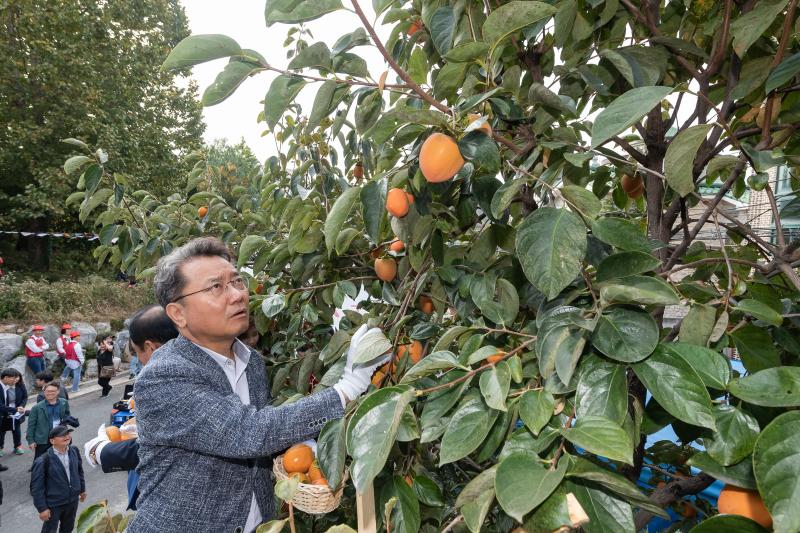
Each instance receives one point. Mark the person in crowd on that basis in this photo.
(74, 359)
(150, 327)
(35, 347)
(221, 445)
(43, 378)
(13, 399)
(61, 341)
(58, 483)
(46, 415)
(105, 364)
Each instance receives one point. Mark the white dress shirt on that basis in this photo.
(31, 344)
(234, 369)
(64, 458)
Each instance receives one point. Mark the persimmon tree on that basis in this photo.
(554, 155)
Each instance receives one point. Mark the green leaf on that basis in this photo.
(468, 427)
(368, 110)
(602, 390)
(559, 348)
(249, 246)
(551, 244)
(553, 514)
(372, 430)
(373, 208)
(728, 523)
(642, 290)
(740, 474)
(626, 335)
(735, 436)
(536, 409)
(676, 387)
(505, 195)
(315, 56)
(760, 311)
(586, 470)
(582, 200)
(747, 28)
(273, 526)
(427, 491)
(752, 77)
(405, 517)
(341, 528)
(621, 234)
(272, 305)
(512, 17)
(442, 26)
(449, 79)
(711, 366)
(332, 451)
(371, 346)
(679, 159)
(639, 65)
(756, 348)
(698, 324)
(773, 387)
(522, 484)
(625, 111)
(439, 360)
(479, 148)
(293, 11)
(197, 49)
(338, 215)
(625, 264)
(418, 66)
(323, 103)
(476, 499)
(601, 436)
(282, 92)
(497, 299)
(494, 384)
(234, 73)
(93, 515)
(92, 176)
(467, 52)
(285, 489)
(606, 512)
(776, 464)
(75, 163)
(784, 72)
(538, 93)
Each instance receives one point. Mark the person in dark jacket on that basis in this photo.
(13, 397)
(44, 416)
(150, 327)
(57, 482)
(105, 359)
(43, 378)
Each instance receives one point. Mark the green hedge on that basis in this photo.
(90, 299)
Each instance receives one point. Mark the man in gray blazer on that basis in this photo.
(206, 429)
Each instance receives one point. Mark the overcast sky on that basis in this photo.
(243, 20)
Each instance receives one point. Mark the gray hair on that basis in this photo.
(169, 282)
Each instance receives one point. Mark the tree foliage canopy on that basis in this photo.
(89, 70)
(574, 222)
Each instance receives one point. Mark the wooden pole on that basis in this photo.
(365, 507)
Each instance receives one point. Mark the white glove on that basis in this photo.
(355, 381)
(100, 440)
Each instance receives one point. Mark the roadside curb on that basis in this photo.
(83, 391)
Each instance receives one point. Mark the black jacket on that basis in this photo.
(122, 455)
(21, 398)
(49, 484)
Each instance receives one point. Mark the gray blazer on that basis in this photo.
(202, 453)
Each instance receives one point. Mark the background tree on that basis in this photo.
(64, 62)
(554, 154)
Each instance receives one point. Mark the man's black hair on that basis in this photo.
(45, 375)
(9, 372)
(151, 323)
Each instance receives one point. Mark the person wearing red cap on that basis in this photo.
(34, 349)
(61, 341)
(74, 359)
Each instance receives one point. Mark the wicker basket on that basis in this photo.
(312, 499)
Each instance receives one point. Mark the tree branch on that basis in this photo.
(389, 59)
(788, 24)
(672, 491)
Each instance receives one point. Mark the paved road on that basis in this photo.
(17, 513)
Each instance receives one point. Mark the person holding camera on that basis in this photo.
(105, 364)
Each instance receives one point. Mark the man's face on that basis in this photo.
(144, 353)
(50, 393)
(40, 383)
(9, 380)
(205, 316)
(61, 442)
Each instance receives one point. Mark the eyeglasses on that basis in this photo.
(218, 288)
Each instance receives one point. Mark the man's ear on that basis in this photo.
(175, 312)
